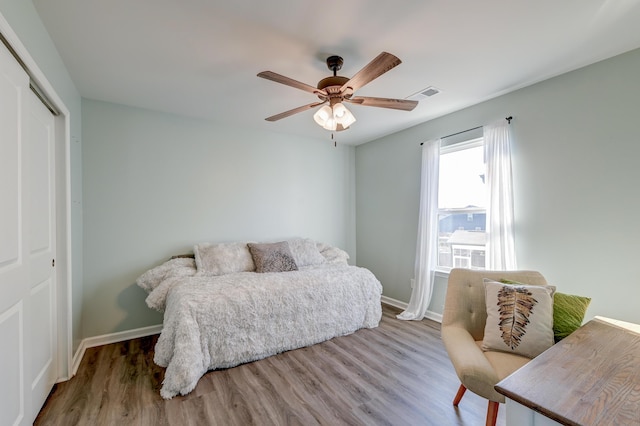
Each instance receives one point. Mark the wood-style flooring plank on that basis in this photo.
(395, 374)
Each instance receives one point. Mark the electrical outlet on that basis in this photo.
(413, 282)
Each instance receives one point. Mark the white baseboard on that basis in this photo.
(107, 339)
(434, 316)
(393, 302)
(402, 305)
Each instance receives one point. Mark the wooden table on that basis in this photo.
(591, 378)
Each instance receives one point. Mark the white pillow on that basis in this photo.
(223, 258)
(305, 252)
(179, 267)
(332, 254)
(519, 318)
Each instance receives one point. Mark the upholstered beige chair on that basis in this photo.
(463, 324)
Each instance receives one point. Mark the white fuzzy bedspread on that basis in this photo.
(219, 322)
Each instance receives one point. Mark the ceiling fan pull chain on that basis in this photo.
(335, 142)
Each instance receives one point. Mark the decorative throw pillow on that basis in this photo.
(272, 257)
(223, 258)
(332, 254)
(519, 318)
(305, 252)
(178, 267)
(568, 313)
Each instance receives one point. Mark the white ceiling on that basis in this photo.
(200, 58)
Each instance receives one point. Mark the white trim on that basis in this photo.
(393, 302)
(461, 145)
(434, 316)
(443, 273)
(68, 237)
(107, 339)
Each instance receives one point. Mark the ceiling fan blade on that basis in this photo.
(401, 104)
(293, 111)
(278, 78)
(374, 69)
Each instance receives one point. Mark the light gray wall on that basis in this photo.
(576, 177)
(156, 184)
(25, 22)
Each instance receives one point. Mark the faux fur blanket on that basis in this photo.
(222, 321)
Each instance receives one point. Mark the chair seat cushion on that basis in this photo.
(504, 363)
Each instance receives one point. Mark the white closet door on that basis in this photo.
(27, 248)
(42, 332)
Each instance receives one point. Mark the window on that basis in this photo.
(462, 206)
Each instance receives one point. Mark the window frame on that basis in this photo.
(447, 148)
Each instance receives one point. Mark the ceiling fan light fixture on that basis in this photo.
(331, 124)
(339, 110)
(329, 117)
(342, 115)
(322, 115)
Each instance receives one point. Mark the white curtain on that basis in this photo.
(500, 251)
(427, 246)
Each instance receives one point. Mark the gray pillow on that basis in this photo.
(272, 257)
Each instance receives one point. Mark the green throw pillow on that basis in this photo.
(568, 312)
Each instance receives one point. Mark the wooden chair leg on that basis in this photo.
(459, 395)
(492, 413)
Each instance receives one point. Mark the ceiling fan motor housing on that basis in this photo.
(332, 84)
(334, 63)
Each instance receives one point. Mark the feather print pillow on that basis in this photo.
(519, 318)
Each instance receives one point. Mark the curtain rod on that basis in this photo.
(469, 130)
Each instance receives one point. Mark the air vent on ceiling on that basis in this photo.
(425, 93)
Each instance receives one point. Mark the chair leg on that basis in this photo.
(492, 413)
(459, 395)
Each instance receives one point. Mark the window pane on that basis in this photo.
(461, 240)
(461, 182)
(461, 203)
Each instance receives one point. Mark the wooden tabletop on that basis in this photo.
(591, 378)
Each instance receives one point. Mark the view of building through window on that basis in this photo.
(462, 206)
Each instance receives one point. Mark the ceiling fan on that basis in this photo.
(336, 89)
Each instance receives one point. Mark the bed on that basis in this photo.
(239, 302)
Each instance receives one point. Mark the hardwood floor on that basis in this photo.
(396, 374)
